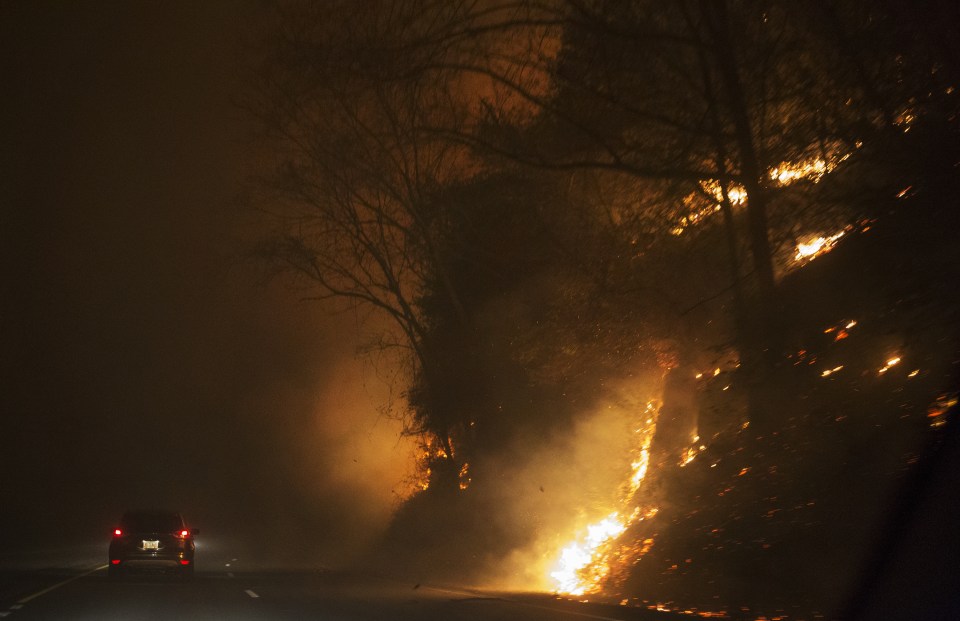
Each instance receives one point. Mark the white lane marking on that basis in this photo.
(16, 607)
(59, 584)
(229, 574)
(4, 614)
(251, 594)
(585, 615)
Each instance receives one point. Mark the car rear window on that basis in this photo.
(151, 521)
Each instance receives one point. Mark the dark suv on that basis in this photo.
(152, 540)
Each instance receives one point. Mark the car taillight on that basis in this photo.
(183, 534)
(117, 532)
(115, 561)
(184, 561)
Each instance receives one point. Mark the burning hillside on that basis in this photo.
(665, 497)
(778, 526)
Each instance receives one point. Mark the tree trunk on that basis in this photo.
(759, 335)
(751, 171)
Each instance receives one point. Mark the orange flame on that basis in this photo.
(584, 563)
(817, 246)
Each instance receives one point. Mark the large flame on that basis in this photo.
(579, 567)
(584, 563)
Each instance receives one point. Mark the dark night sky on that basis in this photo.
(143, 359)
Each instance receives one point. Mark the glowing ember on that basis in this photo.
(892, 362)
(905, 119)
(465, 476)
(939, 407)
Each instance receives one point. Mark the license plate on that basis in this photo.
(151, 545)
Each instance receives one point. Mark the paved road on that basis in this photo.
(87, 594)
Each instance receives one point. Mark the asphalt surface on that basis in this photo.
(229, 591)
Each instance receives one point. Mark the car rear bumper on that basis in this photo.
(152, 563)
